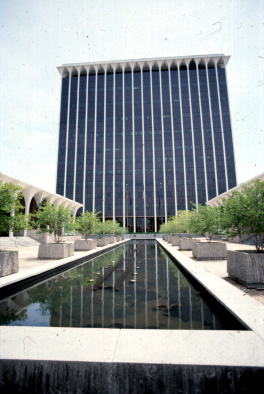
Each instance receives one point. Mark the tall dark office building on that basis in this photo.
(141, 139)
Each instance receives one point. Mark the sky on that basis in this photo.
(37, 36)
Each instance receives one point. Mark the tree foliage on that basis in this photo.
(207, 220)
(110, 227)
(54, 220)
(10, 205)
(87, 223)
(243, 213)
(184, 222)
(42, 203)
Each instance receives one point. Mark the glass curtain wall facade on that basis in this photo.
(140, 140)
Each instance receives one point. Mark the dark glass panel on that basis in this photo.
(180, 187)
(229, 149)
(128, 145)
(81, 139)
(99, 144)
(198, 142)
(168, 141)
(158, 143)
(109, 146)
(90, 144)
(148, 194)
(62, 135)
(207, 134)
(219, 154)
(71, 137)
(138, 147)
(189, 164)
(119, 145)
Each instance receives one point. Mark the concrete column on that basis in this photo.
(183, 143)
(221, 122)
(143, 146)
(76, 133)
(153, 150)
(212, 126)
(163, 147)
(172, 141)
(85, 138)
(70, 69)
(58, 135)
(95, 127)
(202, 128)
(193, 142)
(225, 60)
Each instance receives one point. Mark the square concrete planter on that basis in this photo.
(102, 241)
(185, 244)
(8, 262)
(55, 251)
(85, 244)
(246, 267)
(209, 250)
(175, 240)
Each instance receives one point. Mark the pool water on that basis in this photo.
(135, 285)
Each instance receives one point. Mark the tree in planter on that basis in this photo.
(243, 213)
(185, 223)
(207, 220)
(56, 220)
(117, 229)
(109, 227)
(87, 222)
(10, 205)
(182, 223)
(168, 227)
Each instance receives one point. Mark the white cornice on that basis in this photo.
(135, 62)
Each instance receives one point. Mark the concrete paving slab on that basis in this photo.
(132, 346)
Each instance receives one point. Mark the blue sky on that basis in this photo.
(37, 36)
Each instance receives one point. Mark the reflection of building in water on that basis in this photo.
(134, 286)
(141, 139)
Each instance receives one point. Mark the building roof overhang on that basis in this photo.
(218, 200)
(30, 191)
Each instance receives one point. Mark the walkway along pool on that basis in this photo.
(136, 285)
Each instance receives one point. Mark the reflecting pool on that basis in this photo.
(135, 285)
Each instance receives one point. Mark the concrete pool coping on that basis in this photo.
(175, 347)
